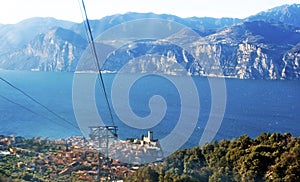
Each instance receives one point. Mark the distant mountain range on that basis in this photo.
(262, 46)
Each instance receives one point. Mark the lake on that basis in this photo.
(252, 106)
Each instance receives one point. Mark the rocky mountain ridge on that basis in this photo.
(56, 50)
(263, 46)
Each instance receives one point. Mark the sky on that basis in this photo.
(13, 11)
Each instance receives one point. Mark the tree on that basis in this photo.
(270, 157)
(144, 174)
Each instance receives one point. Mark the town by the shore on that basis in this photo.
(74, 158)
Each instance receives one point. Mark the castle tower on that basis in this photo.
(150, 136)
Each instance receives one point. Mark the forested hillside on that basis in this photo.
(269, 157)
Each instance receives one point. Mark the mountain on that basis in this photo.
(56, 50)
(288, 14)
(203, 26)
(262, 46)
(256, 50)
(291, 63)
(14, 36)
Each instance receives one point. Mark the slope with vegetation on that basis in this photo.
(269, 157)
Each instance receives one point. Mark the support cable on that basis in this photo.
(29, 110)
(37, 102)
(96, 60)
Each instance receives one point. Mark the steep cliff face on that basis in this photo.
(256, 50)
(56, 50)
(246, 61)
(264, 46)
(150, 56)
(291, 61)
(15, 36)
(252, 62)
(245, 51)
(243, 61)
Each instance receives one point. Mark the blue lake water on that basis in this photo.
(252, 106)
